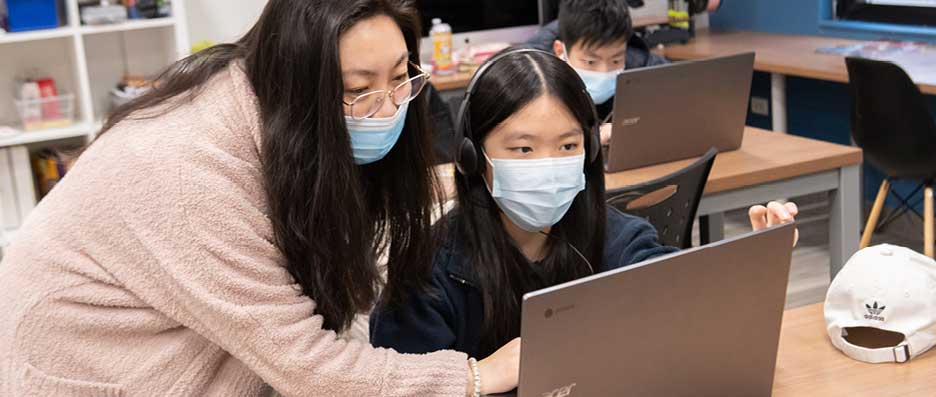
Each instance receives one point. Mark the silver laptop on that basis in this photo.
(700, 322)
(679, 111)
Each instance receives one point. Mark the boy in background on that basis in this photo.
(596, 37)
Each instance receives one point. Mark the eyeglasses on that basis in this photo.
(366, 105)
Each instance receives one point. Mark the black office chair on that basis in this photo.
(891, 123)
(669, 203)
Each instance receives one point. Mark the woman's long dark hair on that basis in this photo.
(331, 218)
(503, 272)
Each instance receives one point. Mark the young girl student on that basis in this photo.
(530, 211)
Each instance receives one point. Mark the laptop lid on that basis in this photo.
(679, 111)
(700, 322)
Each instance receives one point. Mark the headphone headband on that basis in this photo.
(466, 154)
(487, 65)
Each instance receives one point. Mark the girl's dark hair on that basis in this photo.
(330, 217)
(503, 272)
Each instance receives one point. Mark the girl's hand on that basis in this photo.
(773, 214)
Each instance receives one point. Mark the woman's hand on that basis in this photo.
(774, 213)
(500, 372)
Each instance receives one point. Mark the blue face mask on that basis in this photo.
(536, 194)
(373, 138)
(600, 85)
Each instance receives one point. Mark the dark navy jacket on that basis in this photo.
(451, 317)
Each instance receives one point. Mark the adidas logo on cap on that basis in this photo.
(859, 322)
(874, 313)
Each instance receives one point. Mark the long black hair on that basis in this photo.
(330, 217)
(503, 272)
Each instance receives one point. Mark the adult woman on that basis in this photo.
(221, 225)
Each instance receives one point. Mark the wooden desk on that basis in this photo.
(808, 365)
(777, 54)
(456, 81)
(771, 165)
(763, 157)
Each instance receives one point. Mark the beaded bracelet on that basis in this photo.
(476, 375)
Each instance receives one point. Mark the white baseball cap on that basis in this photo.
(884, 288)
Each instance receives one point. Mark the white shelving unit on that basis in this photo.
(86, 61)
(77, 130)
(78, 35)
(64, 31)
(129, 26)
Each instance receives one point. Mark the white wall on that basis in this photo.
(221, 21)
(651, 8)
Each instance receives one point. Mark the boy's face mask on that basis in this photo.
(600, 85)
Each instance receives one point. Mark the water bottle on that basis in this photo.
(441, 34)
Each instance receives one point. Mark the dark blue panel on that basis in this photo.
(786, 16)
(808, 17)
(760, 87)
(818, 109)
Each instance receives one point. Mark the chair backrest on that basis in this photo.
(668, 203)
(890, 120)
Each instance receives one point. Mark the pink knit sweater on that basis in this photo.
(151, 270)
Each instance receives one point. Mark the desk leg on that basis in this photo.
(711, 228)
(844, 219)
(778, 102)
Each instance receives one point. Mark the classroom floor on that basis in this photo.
(809, 274)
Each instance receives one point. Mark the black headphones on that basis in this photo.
(467, 154)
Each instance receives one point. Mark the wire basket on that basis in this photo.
(46, 113)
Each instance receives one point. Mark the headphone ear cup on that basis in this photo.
(594, 144)
(466, 158)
